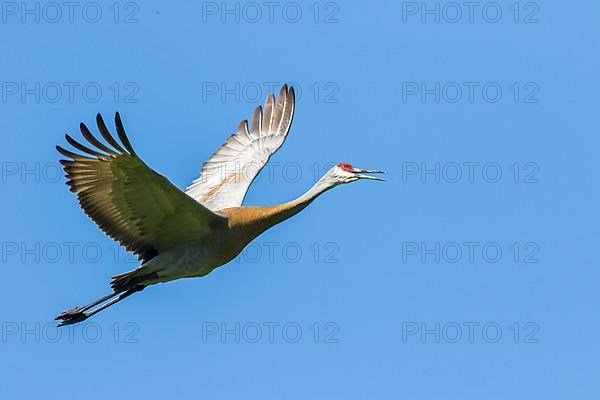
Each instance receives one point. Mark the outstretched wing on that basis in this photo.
(226, 176)
(130, 202)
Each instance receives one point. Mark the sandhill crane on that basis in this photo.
(180, 234)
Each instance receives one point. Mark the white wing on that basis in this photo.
(226, 176)
(130, 202)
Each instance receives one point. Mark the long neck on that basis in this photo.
(288, 209)
(257, 219)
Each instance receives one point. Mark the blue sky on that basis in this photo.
(469, 274)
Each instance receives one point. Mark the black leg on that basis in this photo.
(79, 314)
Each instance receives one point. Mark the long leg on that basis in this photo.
(79, 314)
(79, 310)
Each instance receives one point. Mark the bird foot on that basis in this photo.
(71, 316)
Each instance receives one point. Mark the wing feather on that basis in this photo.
(122, 135)
(227, 174)
(93, 141)
(83, 148)
(267, 121)
(129, 201)
(106, 134)
(256, 122)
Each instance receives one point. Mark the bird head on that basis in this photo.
(346, 173)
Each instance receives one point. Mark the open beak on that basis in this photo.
(359, 174)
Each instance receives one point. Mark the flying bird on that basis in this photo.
(181, 234)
